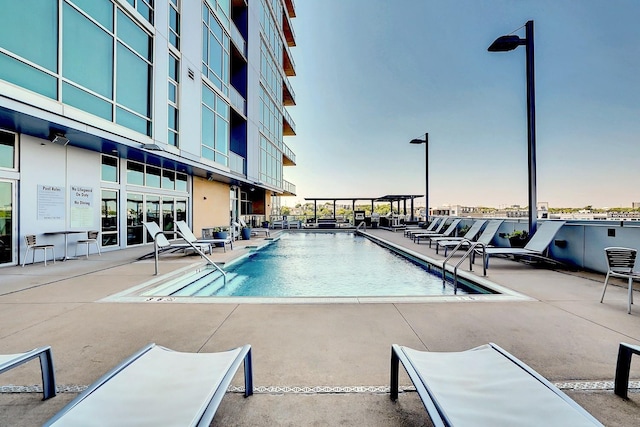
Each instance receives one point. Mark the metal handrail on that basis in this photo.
(363, 224)
(470, 250)
(209, 261)
(202, 254)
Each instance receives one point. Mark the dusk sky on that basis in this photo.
(374, 74)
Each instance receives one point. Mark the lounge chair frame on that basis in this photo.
(207, 415)
(437, 413)
(11, 361)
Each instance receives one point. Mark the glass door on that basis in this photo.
(7, 239)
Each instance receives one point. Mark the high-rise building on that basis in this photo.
(115, 112)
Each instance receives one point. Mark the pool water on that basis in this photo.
(324, 265)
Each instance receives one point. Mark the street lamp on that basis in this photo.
(424, 141)
(504, 44)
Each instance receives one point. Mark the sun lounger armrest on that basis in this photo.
(623, 365)
(243, 356)
(397, 355)
(46, 367)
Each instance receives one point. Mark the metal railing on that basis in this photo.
(195, 248)
(469, 254)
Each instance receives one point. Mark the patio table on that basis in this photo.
(66, 240)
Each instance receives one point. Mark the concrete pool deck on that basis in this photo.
(314, 364)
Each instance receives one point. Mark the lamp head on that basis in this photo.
(506, 43)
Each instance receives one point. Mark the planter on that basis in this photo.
(220, 235)
(246, 233)
(518, 242)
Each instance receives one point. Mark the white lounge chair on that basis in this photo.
(448, 232)
(10, 361)
(188, 235)
(485, 386)
(163, 243)
(159, 387)
(620, 263)
(535, 248)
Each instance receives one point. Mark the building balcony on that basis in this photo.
(237, 101)
(288, 95)
(238, 40)
(291, 8)
(288, 125)
(288, 65)
(288, 156)
(287, 28)
(237, 164)
(289, 188)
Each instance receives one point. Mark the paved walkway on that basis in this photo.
(315, 364)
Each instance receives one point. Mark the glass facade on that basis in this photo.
(105, 59)
(109, 218)
(215, 127)
(7, 150)
(173, 107)
(215, 51)
(109, 172)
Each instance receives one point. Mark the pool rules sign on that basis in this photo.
(81, 201)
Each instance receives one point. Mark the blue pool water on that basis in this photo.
(324, 265)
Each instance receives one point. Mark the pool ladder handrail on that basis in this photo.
(470, 251)
(195, 248)
(363, 224)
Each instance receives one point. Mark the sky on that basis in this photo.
(371, 75)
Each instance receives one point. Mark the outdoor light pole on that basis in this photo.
(504, 44)
(424, 141)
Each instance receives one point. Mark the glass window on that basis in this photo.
(207, 127)
(25, 76)
(130, 120)
(135, 217)
(30, 29)
(132, 82)
(153, 177)
(153, 213)
(87, 60)
(167, 217)
(6, 221)
(174, 26)
(181, 210)
(7, 151)
(109, 218)
(135, 173)
(134, 36)
(101, 11)
(174, 68)
(181, 182)
(86, 102)
(109, 168)
(168, 179)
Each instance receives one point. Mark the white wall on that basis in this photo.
(44, 163)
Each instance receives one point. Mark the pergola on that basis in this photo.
(391, 198)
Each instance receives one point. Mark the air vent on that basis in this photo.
(191, 73)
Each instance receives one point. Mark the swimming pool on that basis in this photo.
(319, 265)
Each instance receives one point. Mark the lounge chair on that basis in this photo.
(188, 235)
(485, 237)
(410, 231)
(10, 361)
(620, 263)
(255, 231)
(535, 248)
(159, 387)
(484, 386)
(448, 232)
(471, 233)
(163, 243)
(438, 229)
